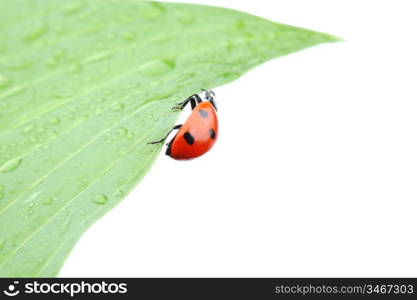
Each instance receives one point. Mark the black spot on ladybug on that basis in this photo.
(203, 113)
(212, 134)
(189, 138)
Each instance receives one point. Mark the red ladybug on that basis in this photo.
(199, 132)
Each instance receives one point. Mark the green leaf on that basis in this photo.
(84, 85)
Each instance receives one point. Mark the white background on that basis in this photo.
(314, 172)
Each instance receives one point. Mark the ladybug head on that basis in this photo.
(209, 95)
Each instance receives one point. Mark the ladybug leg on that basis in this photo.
(165, 137)
(193, 100)
(181, 105)
(196, 99)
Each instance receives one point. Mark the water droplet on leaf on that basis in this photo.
(40, 129)
(240, 25)
(27, 128)
(157, 67)
(100, 56)
(75, 67)
(54, 121)
(48, 201)
(33, 140)
(128, 36)
(122, 151)
(73, 7)
(186, 19)
(117, 106)
(151, 11)
(11, 165)
(4, 82)
(123, 131)
(36, 31)
(120, 192)
(18, 64)
(100, 199)
(52, 62)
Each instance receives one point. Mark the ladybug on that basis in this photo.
(199, 132)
